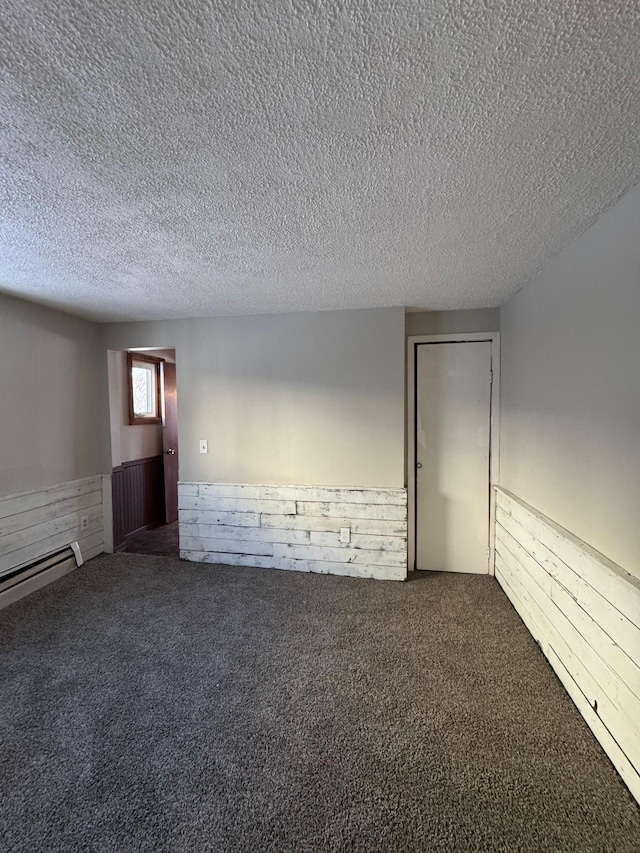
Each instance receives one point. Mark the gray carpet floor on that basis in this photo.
(151, 704)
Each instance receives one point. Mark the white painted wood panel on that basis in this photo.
(583, 611)
(26, 520)
(537, 629)
(233, 546)
(340, 555)
(230, 519)
(375, 543)
(89, 542)
(607, 711)
(296, 528)
(618, 586)
(379, 527)
(236, 505)
(333, 494)
(50, 543)
(618, 708)
(315, 566)
(586, 619)
(91, 551)
(35, 523)
(25, 501)
(351, 510)
(225, 559)
(261, 534)
(587, 597)
(616, 755)
(354, 570)
(23, 538)
(189, 489)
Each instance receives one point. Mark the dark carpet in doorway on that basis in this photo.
(163, 541)
(151, 704)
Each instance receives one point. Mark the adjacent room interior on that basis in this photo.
(319, 421)
(143, 417)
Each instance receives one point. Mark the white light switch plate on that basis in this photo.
(204, 445)
(345, 534)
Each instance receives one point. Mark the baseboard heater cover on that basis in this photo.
(38, 572)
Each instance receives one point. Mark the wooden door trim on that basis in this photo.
(413, 341)
(170, 504)
(157, 363)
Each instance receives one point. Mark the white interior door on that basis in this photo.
(453, 434)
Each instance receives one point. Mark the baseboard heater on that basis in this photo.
(20, 580)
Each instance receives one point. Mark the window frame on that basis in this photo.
(138, 420)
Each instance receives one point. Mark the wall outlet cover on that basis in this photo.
(84, 522)
(345, 534)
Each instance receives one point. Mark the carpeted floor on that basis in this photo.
(148, 704)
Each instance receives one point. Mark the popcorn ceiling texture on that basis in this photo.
(182, 158)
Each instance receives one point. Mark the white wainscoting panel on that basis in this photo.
(295, 528)
(32, 524)
(584, 612)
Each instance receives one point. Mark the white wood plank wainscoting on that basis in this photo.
(34, 524)
(584, 611)
(338, 531)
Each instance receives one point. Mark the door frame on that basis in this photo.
(117, 344)
(413, 342)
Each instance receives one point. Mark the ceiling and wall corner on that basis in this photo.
(451, 322)
(184, 159)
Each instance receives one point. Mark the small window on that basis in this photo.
(143, 372)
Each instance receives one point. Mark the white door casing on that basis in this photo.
(453, 384)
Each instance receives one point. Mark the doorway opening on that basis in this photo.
(452, 451)
(144, 450)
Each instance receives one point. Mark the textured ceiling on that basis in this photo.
(181, 158)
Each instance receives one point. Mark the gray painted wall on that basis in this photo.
(570, 437)
(452, 322)
(53, 393)
(310, 399)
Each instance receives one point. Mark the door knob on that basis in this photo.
(418, 464)
(170, 452)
